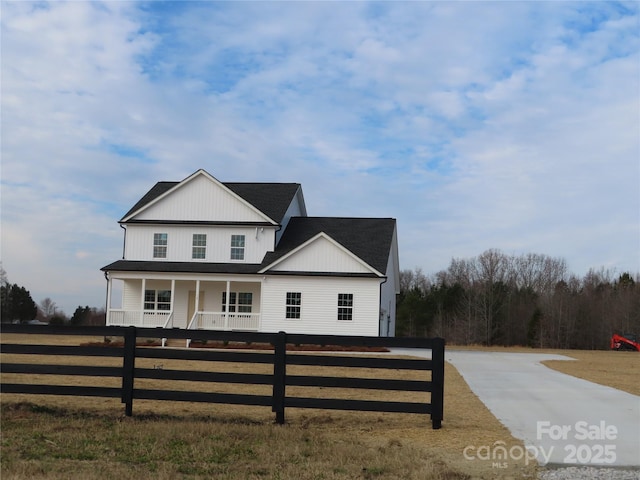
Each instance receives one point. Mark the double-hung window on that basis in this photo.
(245, 301)
(233, 299)
(199, 246)
(157, 300)
(294, 301)
(159, 245)
(238, 302)
(237, 247)
(345, 306)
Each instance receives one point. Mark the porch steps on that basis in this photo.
(176, 342)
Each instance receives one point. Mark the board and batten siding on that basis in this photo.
(139, 244)
(201, 199)
(321, 255)
(319, 308)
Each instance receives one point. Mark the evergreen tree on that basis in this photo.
(80, 316)
(17, 304)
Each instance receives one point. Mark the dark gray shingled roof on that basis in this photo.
(367, 238)
(272, 199)
(180, 267)
(157, 190)
(370, 239)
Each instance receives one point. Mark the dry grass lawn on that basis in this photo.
(48, 437)
(619, 370)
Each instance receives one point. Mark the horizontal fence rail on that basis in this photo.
(134, 347)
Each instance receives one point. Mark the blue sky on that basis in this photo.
(508, 125)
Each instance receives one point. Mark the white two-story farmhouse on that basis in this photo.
(203, 254)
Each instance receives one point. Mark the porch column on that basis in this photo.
(226, 308)
(197, 305)
(108, 300)
(144, 287)
(173, 296)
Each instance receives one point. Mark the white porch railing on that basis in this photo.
(222, 321)
(137, 318)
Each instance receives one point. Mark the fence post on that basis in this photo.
(128, 367)
(437, 381)
(279, 376)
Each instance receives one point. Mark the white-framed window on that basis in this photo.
(294, 302)
(345, 306)
(199, 246)
(238, 302)
(159, 245)
(157, 300)
(237, 247)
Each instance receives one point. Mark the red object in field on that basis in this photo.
(624, 342)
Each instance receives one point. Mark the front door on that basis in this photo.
(191, 307)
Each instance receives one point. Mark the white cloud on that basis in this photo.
(478, 125)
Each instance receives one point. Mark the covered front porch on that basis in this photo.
(210, 304)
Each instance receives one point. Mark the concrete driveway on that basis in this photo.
(562, 420)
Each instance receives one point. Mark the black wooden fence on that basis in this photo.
(277, 355)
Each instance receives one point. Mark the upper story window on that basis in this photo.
(159, 245)
(237, 247)
(199, 246)
(294, 300)
(345, 306)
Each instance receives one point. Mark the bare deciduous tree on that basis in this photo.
(48, 307)
(519, 300)
(4, 280)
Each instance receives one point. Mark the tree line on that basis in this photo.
(531, 299)
(16, 305)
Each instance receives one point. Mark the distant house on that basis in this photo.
(203, 254)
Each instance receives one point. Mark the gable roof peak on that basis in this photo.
(270, 200)
(370, 239)
(320, 236)
(198, 173)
